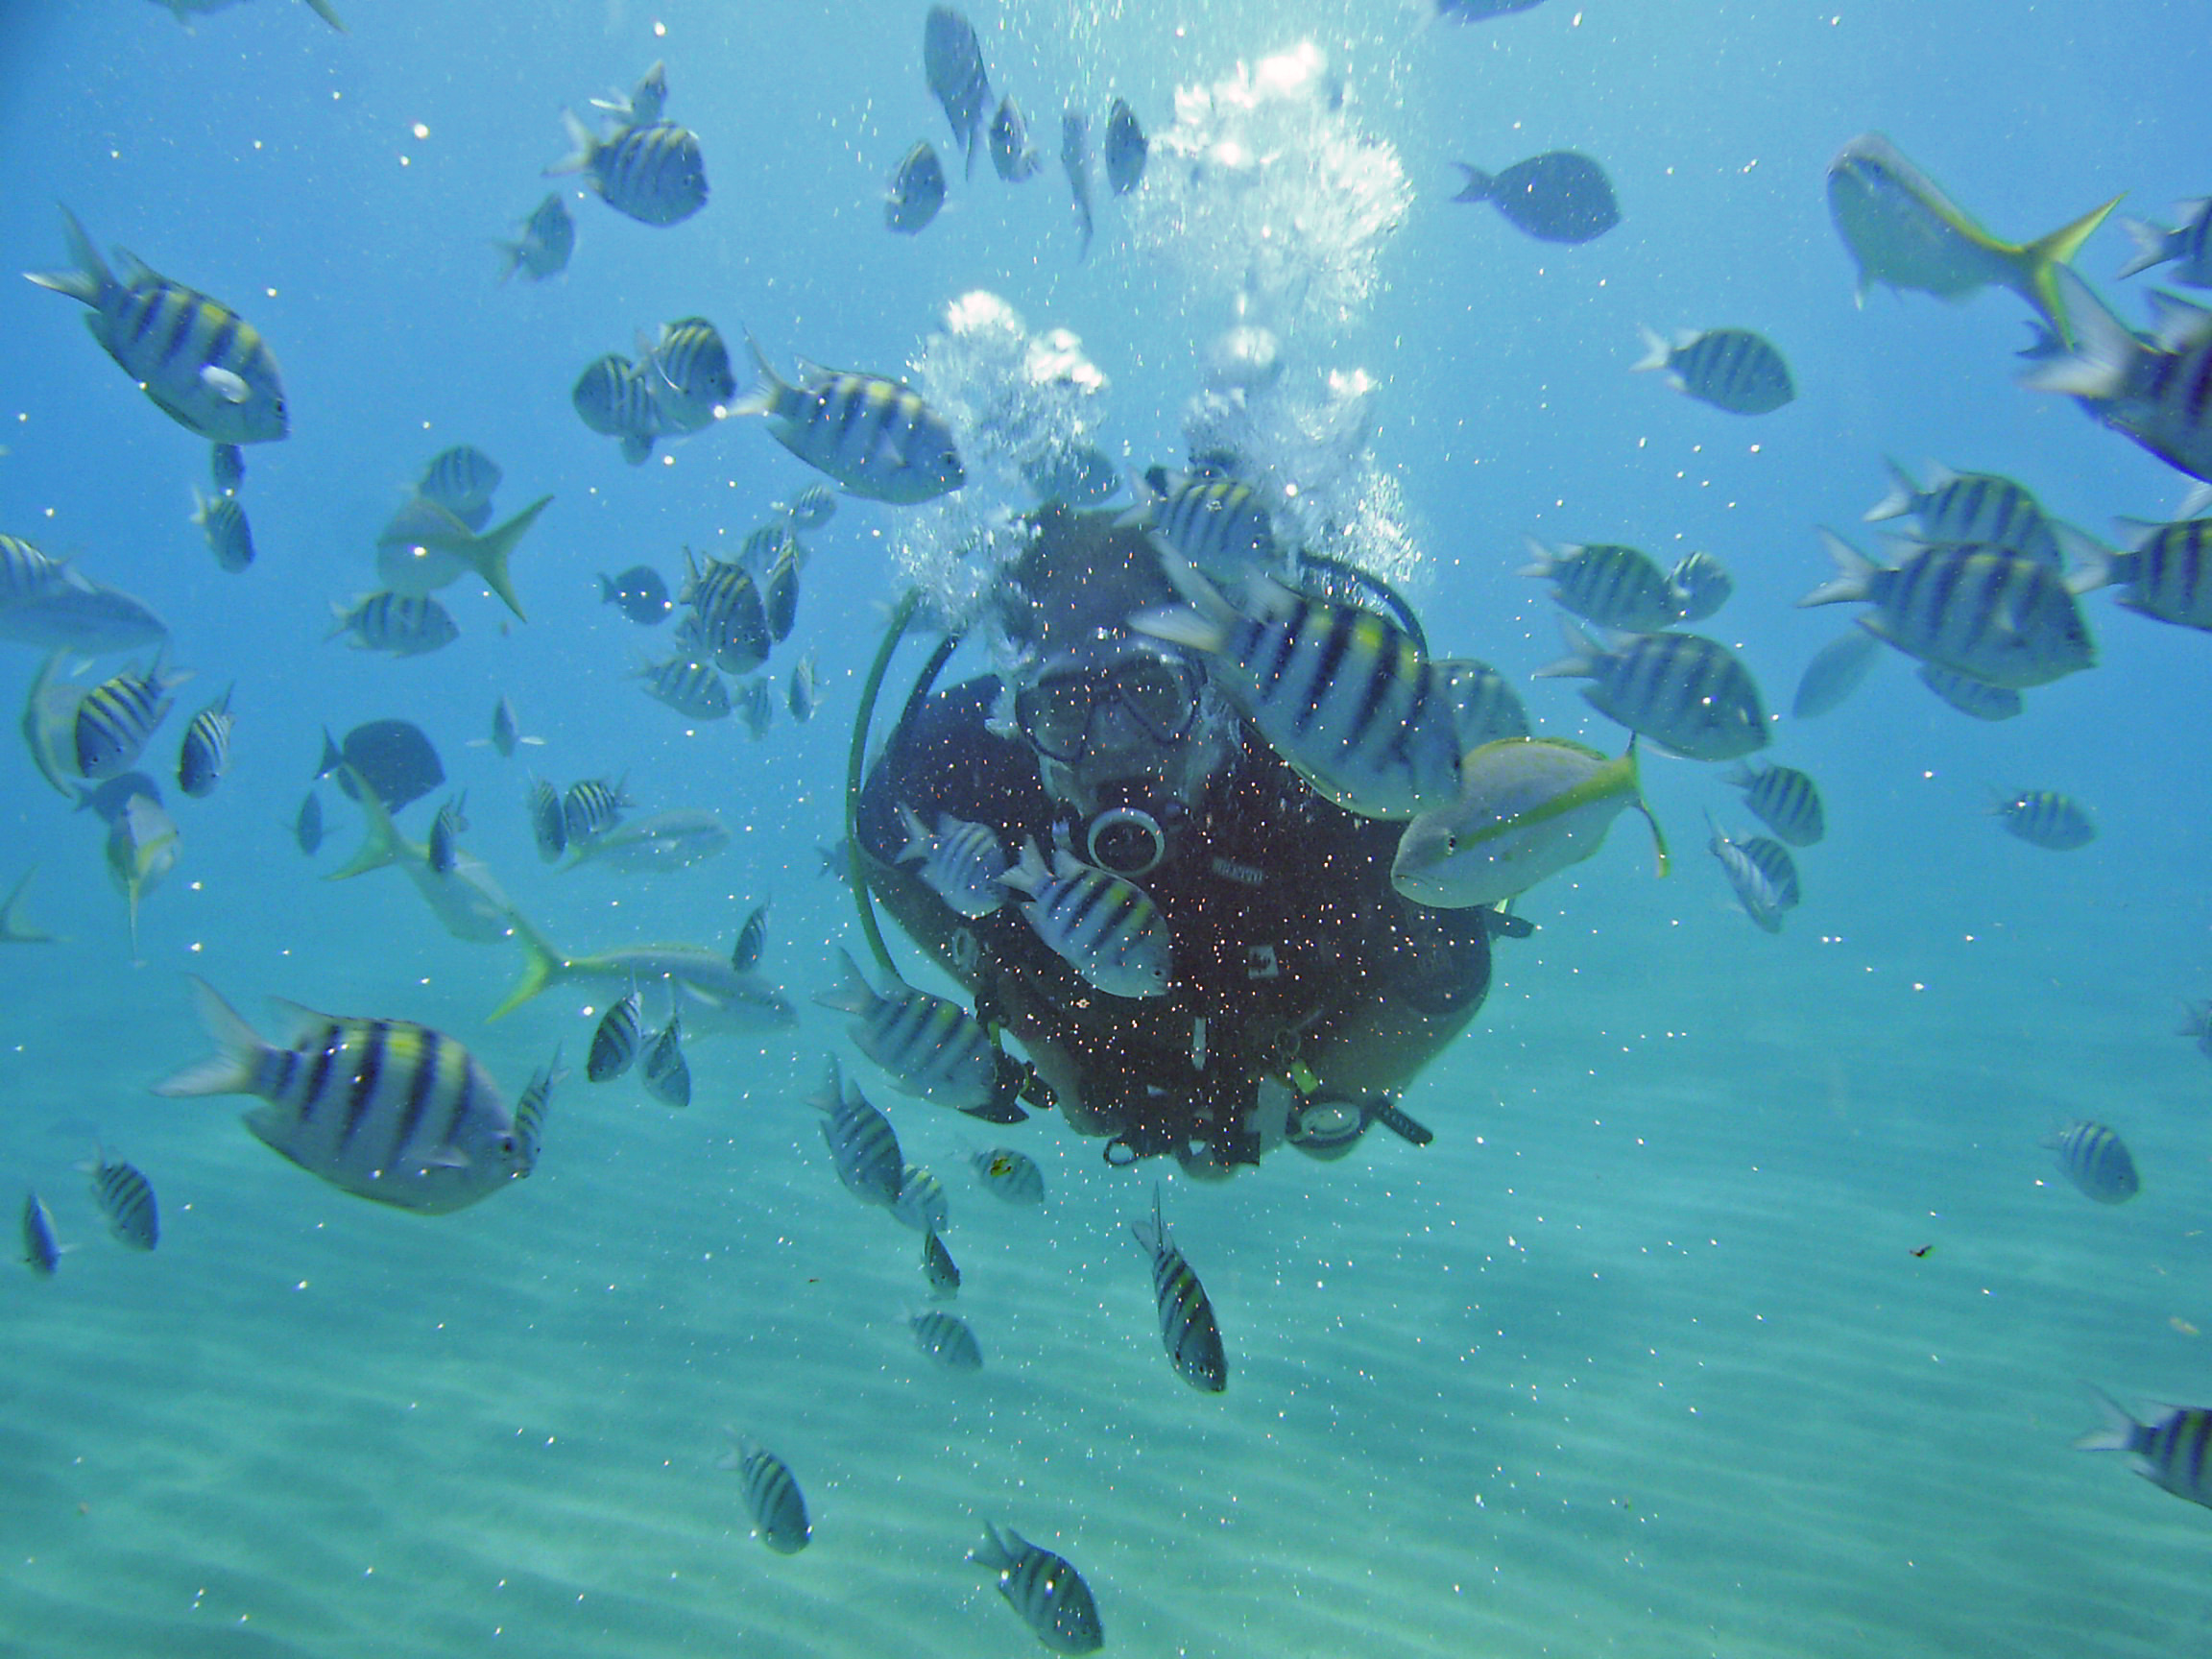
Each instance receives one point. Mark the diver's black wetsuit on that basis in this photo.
(1290, 944)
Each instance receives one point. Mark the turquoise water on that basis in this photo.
(1637, 1359)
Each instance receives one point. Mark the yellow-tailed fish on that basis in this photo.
(425, 547)
(466, 900)
(142, 845)
(1528, 809)
(1902, 230)
(713, 996)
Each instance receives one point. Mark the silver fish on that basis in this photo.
(653, 173)
(2171, 1450)
(78, 613)
(40, 1253)
(384, 1109)
(2095, 1160)
(1045, 1589)
(1731, 368)
(665, 842)
(772, 1497)
(962, 862)
(202, 365)
(873, 436)
(927, 1046)
(1187, 1325)
(1684, 692)
(464, 897)
(946, 1339)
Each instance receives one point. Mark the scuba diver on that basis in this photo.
(1304, 993)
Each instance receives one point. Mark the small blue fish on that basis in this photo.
(2095, 1160)
(40, 1253)
(946, 1339)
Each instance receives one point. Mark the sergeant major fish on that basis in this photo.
(2167, 574)
(395, 624)
(1701, 586)
(615, 1041)
(772, 1497)
(1971, 507)
(1101, 924)
(863, 1146)
(461, 479)
(1754, 890)
(916, 191)
(1187, 1327)
(614, 396)
(644, 102)
(2158, 394)
(946, 1339)
(1786, 800)
(530, 1109)
(1009, 1175)
(938, 1265)
(1010, 152)
(591, 807)
(206, 754)
(2173, 1451)
(2047, 819)
(688, 366)
(963, 863)
(1043, 1589)
(202, 364)
(1686, 693)
(222, 521)
(1970, 696)
(1217, 524)
(1731, 368)
(922, 1203)
(126, 1198)
(1485, 707)
(876, 436)
(1613, 586)
(952, 60)
(752, 940)
(667, 1074)
(548, 823)
(117, 716)
(541, 248)
(385, 1108)
(653, 173)
(2095, 1160)
(927, 1046)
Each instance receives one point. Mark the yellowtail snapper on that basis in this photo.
(1344, 696)
(667, 1074)
(873, 436)
(916, 191)
(1187, 1327)
(2095, 1160)
(1045, 1589)
(962, 862)
(206, 754)
(126, 1198)
(946, 1339)
(2171, 1450)
(653, 173)
(1973, 608)
(202, 364)
(1731, 368)
(2047, 819)
(863, 1146)
(772, 1497)
(928, 1048)
(222, 521)
(40, 1253)
(938, 1267)
(424, 547)
(393, 623)
(1606, 582)
(1786, 800)
(117, 716)
(385, 1108)
(614, 1043)
(544, 244)
(1103, 926)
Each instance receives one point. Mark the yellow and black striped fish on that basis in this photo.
(653, 173)
(930, 1047)
(772, 1497)
(1187, 1327)
(1045, 1589)
(402, 625)
(384, 1109)
(1684, 692)
(614, 1043)
(1606, 582)
(206, 752)
(863, 1146)
(118, 715)
(202, 364)
(2095, 1160)
(1787, 801)
(876, 436)
(2047, 819)
(126, 1197)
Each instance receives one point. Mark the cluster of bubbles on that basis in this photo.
(1025, 410)
(1270, 201)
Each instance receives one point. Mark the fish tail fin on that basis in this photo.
(323, 10)
(2041, 258)
(1902, 493)
(2093, 561)
(238, 1050)
(1027, 874)
(584, 146)
(2097, 365)
(637, 448)
(511, 252)
(768, 387)
(1853, 568)
(1659, 852)
(381, 843)
(1541, 560)
(853, 993)
(1478, 185)
(541, 965)
(1582, 654)
(2117, 1433)
(488, 554)
(10, 924)
(91, 279)
(1657, 353)
(918, 837)
(2150, 247)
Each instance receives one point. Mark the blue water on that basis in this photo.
(1635, 1360)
